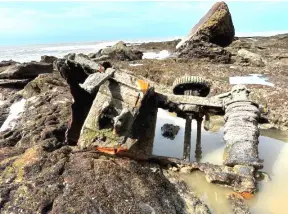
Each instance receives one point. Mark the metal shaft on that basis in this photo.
(187, 138)
(198, 150)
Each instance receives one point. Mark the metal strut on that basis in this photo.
(187, 137)
(198, 150)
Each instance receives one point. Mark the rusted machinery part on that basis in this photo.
(241, 134)
(191, 85)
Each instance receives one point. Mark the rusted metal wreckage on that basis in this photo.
(115, 112)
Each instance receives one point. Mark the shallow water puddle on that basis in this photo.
(214, 196)
(256, 79)
(152, 55)
(15, 110)
(136, 64)
(211, 141)
(273, 148)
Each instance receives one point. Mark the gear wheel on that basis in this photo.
(192, 86)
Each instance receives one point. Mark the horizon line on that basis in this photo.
(143, 40)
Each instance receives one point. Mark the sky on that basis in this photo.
(64, 22)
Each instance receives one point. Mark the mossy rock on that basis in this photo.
(215, 27)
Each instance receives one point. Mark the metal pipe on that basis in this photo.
(187, 137)
(198, 150)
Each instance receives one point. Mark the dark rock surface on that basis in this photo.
(26, 70)
(215, 27)
(5, 63)
(39, 174)
(272, 49)
(4, 111)
(251, 58)
(169, 131)
(238, 204)
(203, 50)
(14, 83)
(120, 51)
(158, 46)
(208, 37)
(48, 59)
(75, 74)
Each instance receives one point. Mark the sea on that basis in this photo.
(29, 53)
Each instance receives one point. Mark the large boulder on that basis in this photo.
(120, 51)
(215, 27)
(26, 70)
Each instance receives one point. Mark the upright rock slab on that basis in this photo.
(215, 27)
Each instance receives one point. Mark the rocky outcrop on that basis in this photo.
(14, 83)
(39, 174)
(92, 55)
(250, 58)
(4, 111)
(203, 50)
(48, 59)
(88, 65)
(26, 70)
(61, 181)
(5, 63)
(70, 56)
(75, 74)
(215, 27)
(207, 38)
(122, 52)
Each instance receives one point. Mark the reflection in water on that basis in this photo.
(213, 195)
(210, 141)
(272, 195)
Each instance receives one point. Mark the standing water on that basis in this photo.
(273, 148)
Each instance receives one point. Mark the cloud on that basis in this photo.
(104, 20)
(15, 21)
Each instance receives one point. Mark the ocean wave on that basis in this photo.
(34, 52)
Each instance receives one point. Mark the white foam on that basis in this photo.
(133, 65)
(15, 112)
(34, 52)
(256, 79)
(152, 55)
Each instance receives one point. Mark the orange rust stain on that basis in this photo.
(111, 151)
(142, 85)
(245, 195)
